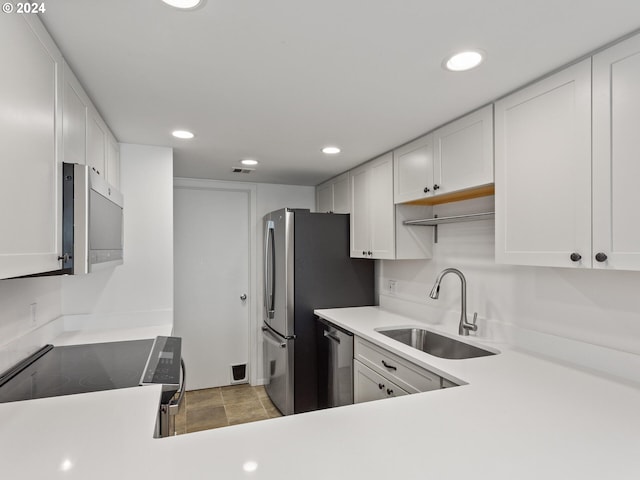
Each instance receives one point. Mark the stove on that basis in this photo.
(68, 370)
(79, 369)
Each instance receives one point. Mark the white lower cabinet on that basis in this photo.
(379, 374)
(369, 385)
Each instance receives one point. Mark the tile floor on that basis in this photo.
(223, 406)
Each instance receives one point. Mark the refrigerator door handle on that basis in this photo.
(269, 269)
(272, 339)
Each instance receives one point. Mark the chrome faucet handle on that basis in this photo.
(471, 325)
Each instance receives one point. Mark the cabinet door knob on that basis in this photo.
(369, 253)
(601, 256)
(381, 386)
(426, 190)
(575, 257)
(436, 187)
(389, 391)
(363, 252)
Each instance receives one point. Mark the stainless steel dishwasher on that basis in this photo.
(335, 365)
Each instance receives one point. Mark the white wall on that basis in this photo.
(144, 283)
(592, 306)
(16, 297)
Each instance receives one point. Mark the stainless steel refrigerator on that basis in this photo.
(306, 266)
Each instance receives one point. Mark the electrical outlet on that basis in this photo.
(391, 287)
(32, 309)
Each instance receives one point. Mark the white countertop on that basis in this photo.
(518, 416)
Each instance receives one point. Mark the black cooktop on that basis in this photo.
(80, 369)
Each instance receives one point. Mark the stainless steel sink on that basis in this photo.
(434, 344)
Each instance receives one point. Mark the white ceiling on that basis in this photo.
(276, 80)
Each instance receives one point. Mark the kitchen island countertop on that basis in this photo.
(516, 416)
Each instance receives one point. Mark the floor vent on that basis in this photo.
(239, 373)
(242, 170)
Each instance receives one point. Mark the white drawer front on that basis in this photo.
(409, 376)
(369, 385)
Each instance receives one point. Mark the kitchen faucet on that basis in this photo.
(464, 326)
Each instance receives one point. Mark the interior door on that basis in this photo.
(211, 238)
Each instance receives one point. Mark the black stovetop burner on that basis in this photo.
(80, 369)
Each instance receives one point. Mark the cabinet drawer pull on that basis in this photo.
(390, 367)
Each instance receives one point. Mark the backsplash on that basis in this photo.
(16, 299)
(592, 306)
(17, 320)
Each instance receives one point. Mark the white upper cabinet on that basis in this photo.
(47, 119)
(382, 211)
(616, 156)
(543, 171)
(377, 230)
(333, 195)
(96, 142)
(372, 209)
(113, 162)
(30, 135)
(455, 158)
(413, 170)
(324, 197)
(86, 137)
(74, 119)
(463, 153)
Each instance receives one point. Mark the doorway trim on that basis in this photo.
(251, 189)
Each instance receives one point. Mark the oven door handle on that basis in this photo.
(174, 405)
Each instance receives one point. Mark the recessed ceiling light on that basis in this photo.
(183, 4)
(249, 162)
(461, 61)
(330, 150)
(184, 134)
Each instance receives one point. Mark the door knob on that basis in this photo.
(243, 297)
(575, 257)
